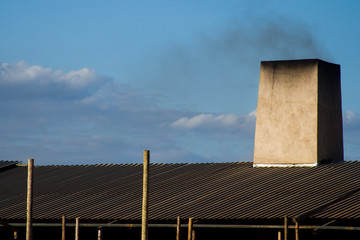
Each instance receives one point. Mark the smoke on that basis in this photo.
(273, 39)
(287, 39)
(223, 63)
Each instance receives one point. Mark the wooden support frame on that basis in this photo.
(190, 228)
(178, 226)
(29, 204)
(285, 228)
(296, 228)
(197, 225)
(100, 233)
(77, 223)
(145, 203)
(63, 228)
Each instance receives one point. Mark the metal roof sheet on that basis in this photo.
(203, 191)
(6, 164)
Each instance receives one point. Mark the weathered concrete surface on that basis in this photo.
(299, 117)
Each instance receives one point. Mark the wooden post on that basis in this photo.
(63, 230)
(29, 207)
(99, 233)
(178, 228)
(279, 235)
(145, 203)
(77, 229)
(193, 234)
(190, 225)
(285, 228)
(296, 230)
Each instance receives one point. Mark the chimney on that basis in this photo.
(299, 117)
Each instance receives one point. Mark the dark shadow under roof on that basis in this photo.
(203, 191)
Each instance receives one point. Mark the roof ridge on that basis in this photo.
(135, 164)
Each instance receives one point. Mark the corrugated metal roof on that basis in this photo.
(6, 163)
(203, 191)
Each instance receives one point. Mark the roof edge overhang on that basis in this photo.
(285, 164)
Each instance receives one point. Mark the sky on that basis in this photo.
(96, 82)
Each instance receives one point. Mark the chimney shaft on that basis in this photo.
(299, 117)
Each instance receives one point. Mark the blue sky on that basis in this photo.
(99, 81)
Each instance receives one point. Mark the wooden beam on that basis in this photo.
(100, 233)
(145, 203)
(77, 221)
(63, 228)
(29, 204)
(190, 227)
(296, 230)
(178, 226)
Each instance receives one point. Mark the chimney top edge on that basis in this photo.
(298, 60)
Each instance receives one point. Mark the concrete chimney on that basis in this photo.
(299, 117)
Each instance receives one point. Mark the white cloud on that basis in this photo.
(21, 80)
(193, 122)
(80, 117)
(215, 121)
(22, 72)
(349, 116)
(351, 122)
